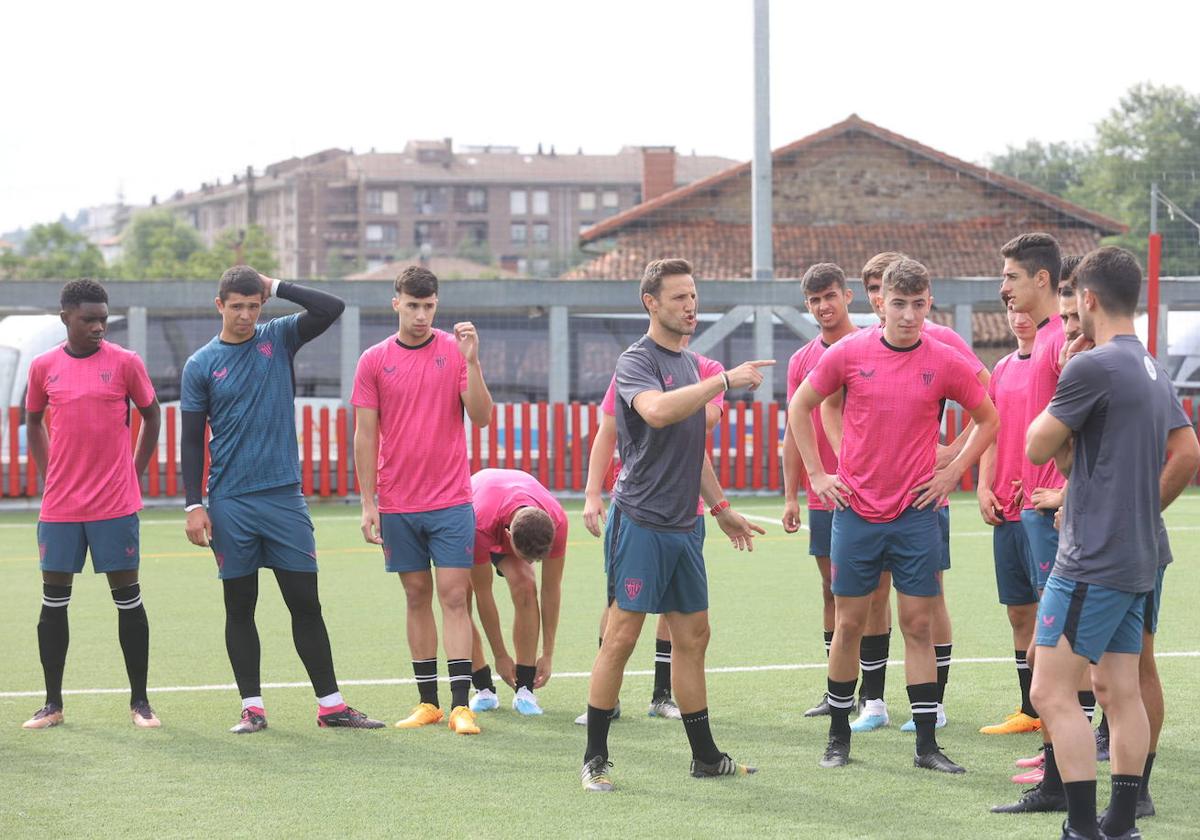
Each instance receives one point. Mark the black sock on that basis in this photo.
(1146, 775)
(482, 679)
(828, 641)
(133, 630)
(700, 737)
(1051, 781)
(872, 658)
(1025, 678)
(1103, 724)
(887, 643)
(425, 670)
(1122, 806)
(598, 721)
(841, 701)
(241, 634)
(942, 652)
(54, 635)
(1081, 808)
(662, 667)
(1087, 702)
(922, 699)
(460, 680)
(299, 591)
(525, 676)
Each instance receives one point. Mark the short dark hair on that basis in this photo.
(820, 277)
(906, 276)
(656, 270)
(878, 264)
(1034, 252)
(417, 281)
(1066, 282)
(240, 280)
(1114, 277)
(532, 533)
(84, 290)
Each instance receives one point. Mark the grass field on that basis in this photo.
(97, 776)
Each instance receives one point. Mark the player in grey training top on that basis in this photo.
(1110, 427)
(653, 542)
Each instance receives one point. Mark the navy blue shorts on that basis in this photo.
(944, 525)
(1016, 579)
(1096, 620)
(1043, 542)
(820, 532)
(267, 529)
(445, 537)
(651, 571)
(1153, 602)
(113, 544)
(909, 547)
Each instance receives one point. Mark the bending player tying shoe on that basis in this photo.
(662, 705)
(90, 496)
(410, 394)
(653, 547)
(887, 489)
(242, 385)
(517, 524)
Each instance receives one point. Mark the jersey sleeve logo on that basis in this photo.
(220, 374)
(389, 370)
(927, 377)
(1151, 371)
(50, 380)
(266, 349)
(106, 376)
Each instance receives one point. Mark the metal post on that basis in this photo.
(351, 347)
(764, 348)
(761, 212)
(138, 336)
(963, 323)
(560, 355)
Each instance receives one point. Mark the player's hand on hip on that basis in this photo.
(543, 671)
(371, 529)
(593, 514)
(468, 340)
(748, 375)
(937, 489)
(791, 516)
(989, 506)
(944, 456)
(832, 490)
(740, 530)
(199, 528)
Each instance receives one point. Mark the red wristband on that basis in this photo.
(719, 507)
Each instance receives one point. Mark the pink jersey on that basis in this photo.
(90, 474)
(422, 445)
(892, 415)
(951, 338)
(708, 367)
(497, 496)
(1043, 380)
(801, 364)
(1008, 388)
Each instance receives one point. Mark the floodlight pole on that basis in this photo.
(762, 262)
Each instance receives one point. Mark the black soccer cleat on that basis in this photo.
(837, 753)
(938, 761)
(1036, 800)
(821, 709)
(1134, 833)
(1101, 745)
(724, 766)
(1069, 833)
(348, 718)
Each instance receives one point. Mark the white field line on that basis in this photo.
(570, 675)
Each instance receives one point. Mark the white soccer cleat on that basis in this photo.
(484, 701)
(525, 703)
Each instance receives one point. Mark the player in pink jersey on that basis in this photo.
(887, 489)
(410, 447)
(517, 523)
(828, 301)
(1000, 506)
(879, 624)
(91, 496)
(603, 446)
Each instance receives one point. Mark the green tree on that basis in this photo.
(1053, 167)
(157, 245)
(256, 252)
(1153, 135)
(53, 251)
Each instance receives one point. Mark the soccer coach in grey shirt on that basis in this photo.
(654, 540)
(1116, 429)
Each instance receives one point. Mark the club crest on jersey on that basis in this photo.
(220, 374)
(440, 361)
(266, 349)
(668, 381)
(52, 379)
(1151, 370)
(633, 587)
(866, 374)
(106, 376)
(927, 377)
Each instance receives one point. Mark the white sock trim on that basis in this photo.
(256, 702)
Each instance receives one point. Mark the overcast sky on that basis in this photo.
(151, 97)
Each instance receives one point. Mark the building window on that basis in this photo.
(541, 203)
(427, 233)
(541, 268)
(424, 201)
(518, 233)
(381, 234)
(470, 200)
(383, 202)
(541, 232)
(587, 200)
(473, 233)
(610, 198)
(518, 202)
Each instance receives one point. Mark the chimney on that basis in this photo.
(658, 171)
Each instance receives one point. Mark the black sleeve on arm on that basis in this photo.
(321, 308)
(192, 456)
